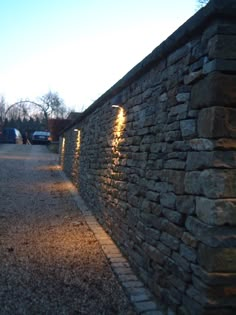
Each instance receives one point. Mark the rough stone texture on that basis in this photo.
(160, 171)
(216, 212)
(217, 259)
(217, 122)
(214, 90)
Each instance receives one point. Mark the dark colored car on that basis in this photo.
(11, 135)
(41, 137)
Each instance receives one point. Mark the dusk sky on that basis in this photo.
(79, 48)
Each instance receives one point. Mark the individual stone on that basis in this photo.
(217, 259)
(211, 235)
(182, 97)
(163, 97)
(172, 228)
(181, 261)
(157, 147)
(223, 159)
(201, 144)
(192, 113)
(218, 183)
(181, 146)
(178, 110)
(164, 249)
(214, 278)
(178, 54)
(154, 254)
(216, 212)
(151, 207)
(172, 136)
(217, 159)
(216, 89)
(153, 235)
(173, 216)
(169, 241)
(146, 306)
(185, 204)
(162, 187)
(174, 164)
(189, 240)
(176, 178)
(219, 65)
(199, 160)
(192, 77)
(222, 46)
(188, 128)
(177, 155)
(153, 196)
(168, 200)
(192, 183)
(141, 156)
(188, 252)
(172, 126)
(198, 229)
(225, 144)
(217, 122)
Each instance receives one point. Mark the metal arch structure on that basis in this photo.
(30, 102)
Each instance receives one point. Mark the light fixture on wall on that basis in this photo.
(76, 130)
(117, 101)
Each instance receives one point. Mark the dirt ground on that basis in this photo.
(50, 261)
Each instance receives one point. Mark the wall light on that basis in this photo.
(76, 129)
(117, 101)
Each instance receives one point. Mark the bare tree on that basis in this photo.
(53, 106)
(2, 109)
(202, 3)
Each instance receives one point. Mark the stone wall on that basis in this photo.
(160, 170)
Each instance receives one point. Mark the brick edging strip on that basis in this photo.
(140, 297)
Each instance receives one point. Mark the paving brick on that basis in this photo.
(145, 306)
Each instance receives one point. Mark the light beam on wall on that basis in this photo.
(118, 130)
(63, 144)
(77, 147)
(75, 166)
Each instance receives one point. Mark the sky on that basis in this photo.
(79, 48)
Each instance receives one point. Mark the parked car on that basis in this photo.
(11, 135)
(41, 137)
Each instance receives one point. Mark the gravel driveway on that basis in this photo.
(50, 261)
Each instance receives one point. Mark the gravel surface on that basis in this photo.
(50, 261)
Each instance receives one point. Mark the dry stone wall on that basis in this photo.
(160, 170)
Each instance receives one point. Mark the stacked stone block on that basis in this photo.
(163, 181)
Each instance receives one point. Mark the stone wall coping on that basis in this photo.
(213, 10)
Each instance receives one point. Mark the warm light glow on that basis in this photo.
(75, 167)
(77, 142)
(118, 131)
(48, 168)
(63, 151)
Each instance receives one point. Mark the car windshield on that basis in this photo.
(41, 133)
